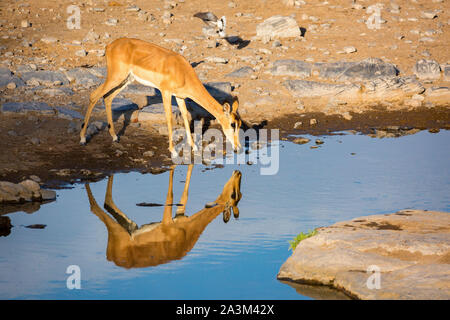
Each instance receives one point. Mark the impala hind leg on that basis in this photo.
(93, 99)
(108, 101)
(115, 78)
(182, 105)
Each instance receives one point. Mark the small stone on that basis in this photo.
(11, 86)
(148, 154)
(349, 49)
(35, 141)
(49, 40)
(312, 122)
(429, 14)
(48, 195)
(81, 53)
(298, 124)
(318, 141)
(111, 22)
(301, 140)
(276, 44)
(25, 24)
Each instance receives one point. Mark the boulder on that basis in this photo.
(6, 77)
(45, 77)
(25, 107)
(303, 88)
(240, 73)
(427, 70)
(83, 77)
(277, 27)
(290, 67)
(404, 255)
(368, 69)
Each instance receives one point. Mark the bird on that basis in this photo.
(212, 21)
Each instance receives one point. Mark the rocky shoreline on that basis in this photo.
(403, 255)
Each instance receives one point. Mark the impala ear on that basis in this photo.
(226, 108)
(236, 212)
(235, 104)
(226, 214)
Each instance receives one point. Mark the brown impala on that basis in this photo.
(152, 244)
(132, 59)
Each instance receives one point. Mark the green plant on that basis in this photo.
(302, 236)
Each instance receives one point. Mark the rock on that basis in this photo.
(49, 40)
(219, 90)
(31, 185)
(429, 14)
(240, 73)
(276, 44)
(290, 67)
(91, 36)
(52, 92)
(312, 122)
(81, 53)
(303, 88)
(148, 154)
(427, 70)
(6, 78)
(409, 249)
(68, 114)
(447, 72)
(25, 24)
(25, 191)
(5, 226)
(35, 141)
(48, 195)
(389, 88)
(133, 8)
(277, 27)
(348, 49)
(45, 77)
(298, 124)
(111, 22)
(318, 141)
(25, 107)
(301, 140)
(217, 60)
(441, 92)
(83, 77)
(11, 86)
(368, 69)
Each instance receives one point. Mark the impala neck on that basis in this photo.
(205, 100)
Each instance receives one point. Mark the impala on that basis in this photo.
(132, 59)
(131, 246)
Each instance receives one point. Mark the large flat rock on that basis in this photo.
(291, 67)
(367, 69)
(409, 248)
(25, 107)
(304, 88)
(277, 27)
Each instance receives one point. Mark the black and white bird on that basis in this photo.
(212, 21)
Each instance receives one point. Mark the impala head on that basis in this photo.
(231, 195)
(232, 124)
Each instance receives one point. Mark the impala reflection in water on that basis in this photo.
(131, 246)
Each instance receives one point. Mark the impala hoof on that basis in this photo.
(83, 142)
(116, 139)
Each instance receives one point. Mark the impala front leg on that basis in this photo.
(167, 102)
(184, 113)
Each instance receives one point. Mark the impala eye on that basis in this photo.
(233, 125)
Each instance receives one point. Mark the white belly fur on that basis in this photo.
(142, 81)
